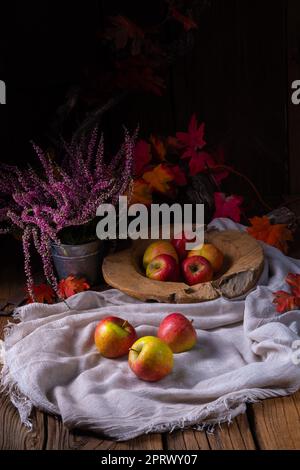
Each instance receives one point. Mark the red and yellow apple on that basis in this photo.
(211, 253)
(163, 268)
(197, 269)
(178, 332)
(150, 359)
(114, 337)
(161, 247)
(179, 242)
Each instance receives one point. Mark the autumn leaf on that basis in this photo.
(159, 178)
(141, 193)
(276, 235)
(43, 294)
(187, 22)
(199, 162)
(121, 30)
(293, 280)
(142, 156)
(159, 148)
(193, 139)
(72, 285)
(137, 73)
(228, 207)
(179, 175)
(285, 302)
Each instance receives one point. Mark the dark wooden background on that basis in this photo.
(237, 78)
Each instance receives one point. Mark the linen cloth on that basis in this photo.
(245, 352)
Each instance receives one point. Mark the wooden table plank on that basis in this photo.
(276, 423)
(187, 440)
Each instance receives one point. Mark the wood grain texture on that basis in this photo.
(276, 423)
(243, 265)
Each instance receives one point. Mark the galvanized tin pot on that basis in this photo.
(79, 260)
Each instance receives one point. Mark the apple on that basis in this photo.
(178, 332)
(179, 242)
(150, 359)
(211, 253)
(197, 269)
(114, 337)
(162, 247)
(163, 268)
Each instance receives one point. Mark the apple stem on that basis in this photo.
(192, 321)
(134, 350)
(124, 324)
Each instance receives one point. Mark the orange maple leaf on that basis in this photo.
(43, 294)
(141, 193)
(276, 235)
(159, 178)
(72, 285)
(159, 148)
(187, 22)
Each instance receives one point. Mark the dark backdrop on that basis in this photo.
(236, 78)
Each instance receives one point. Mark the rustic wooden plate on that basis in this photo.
(244, 261)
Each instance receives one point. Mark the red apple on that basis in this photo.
(114, 337)
(179, 242)
(211, 253)
(197, 269)
(150, 359)
(163, 268)
(178, 332)
(162, 247)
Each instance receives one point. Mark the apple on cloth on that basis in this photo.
(197, 269)
(178, 332)
(151, 359)
(114, 337)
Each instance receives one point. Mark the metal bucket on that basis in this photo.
(79, 260)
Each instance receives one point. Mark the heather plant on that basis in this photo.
(54, 202)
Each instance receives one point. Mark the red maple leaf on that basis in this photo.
(43, 294)
(142, 157)
(72, 285)
(228, 207)
(293, 281)
(192, 140)
(285, 302)
(187, 22)
(200, 161)
(179, 175)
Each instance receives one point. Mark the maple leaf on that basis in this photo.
(276, 235)
(72, 285)
(218, 173)
(187, 22)
(141, 193)
(228, 206)
(293, 281)
(137, 73)
(159, 178)
(179, 175)
(199, 162)
(122, 30)
(192, 140)
(159, 147)
(142, 156)
(285, 302)
(43, 294)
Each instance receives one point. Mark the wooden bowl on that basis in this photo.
(243, 265)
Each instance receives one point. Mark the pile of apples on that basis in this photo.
(169, 261)
(150, 357)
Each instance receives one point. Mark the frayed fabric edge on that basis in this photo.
(9, 387)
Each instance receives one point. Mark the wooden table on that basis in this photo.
(271, 424)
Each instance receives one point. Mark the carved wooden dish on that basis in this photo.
(243, 265)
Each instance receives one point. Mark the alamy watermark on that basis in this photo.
(2, 92)
(159, 221)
